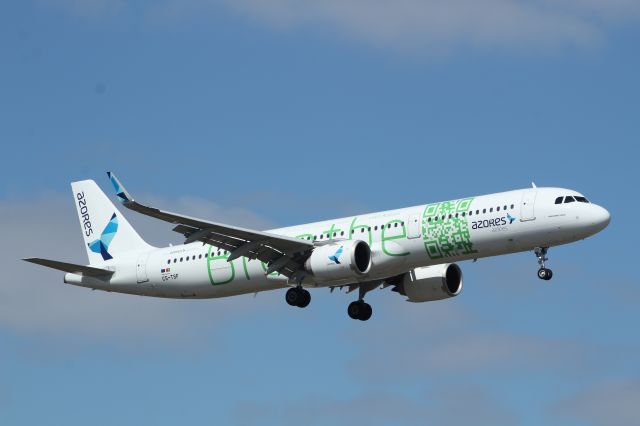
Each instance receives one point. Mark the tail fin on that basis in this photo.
(106, 232)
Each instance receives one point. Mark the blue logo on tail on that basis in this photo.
(511, 218)
(336, 256)
(102, 245)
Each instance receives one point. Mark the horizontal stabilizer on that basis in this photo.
(70, 267)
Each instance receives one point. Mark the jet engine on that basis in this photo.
(431, 283)
(340, 260)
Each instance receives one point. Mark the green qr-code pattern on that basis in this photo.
(446, 230)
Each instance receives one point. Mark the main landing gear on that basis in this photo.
(298, 296)
(543, 273)
(361, 310)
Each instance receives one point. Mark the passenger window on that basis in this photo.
(199, 256)
(181, 259)
(513, 206)
(569, 199)
(175, 260)
(498, 209)
(342, 233)
(484, 210)
(194, 257)
(491, 210)
(395, 225)
(559, 200)
(477, 212)
(464, 214)
(505, 207)
(168, 261)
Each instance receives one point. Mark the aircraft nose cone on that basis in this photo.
(600, 218)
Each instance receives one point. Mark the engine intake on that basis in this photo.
(432, 283)
(342, 260)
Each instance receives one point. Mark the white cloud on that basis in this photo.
(382, 408)
(447, 340)
(424, 25)
(34, 300)
(432, 24)
(613, 403)
(92, 8)
(446, 24)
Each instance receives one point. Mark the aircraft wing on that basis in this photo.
(283, 254)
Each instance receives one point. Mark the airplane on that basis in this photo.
(413, 250)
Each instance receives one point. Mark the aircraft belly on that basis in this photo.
(211, 277)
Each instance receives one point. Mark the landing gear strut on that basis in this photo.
(298, 296)
(543, 273)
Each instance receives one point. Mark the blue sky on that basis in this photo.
(268, 114)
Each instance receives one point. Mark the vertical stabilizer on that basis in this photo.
(106, 233)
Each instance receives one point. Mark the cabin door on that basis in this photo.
(527, 206)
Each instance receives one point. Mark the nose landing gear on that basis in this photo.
(543, 273)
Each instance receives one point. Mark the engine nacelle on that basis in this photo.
(342, 260)
(432, 283)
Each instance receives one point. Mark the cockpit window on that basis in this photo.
(559, 200)
(569, 199)
(581, 199)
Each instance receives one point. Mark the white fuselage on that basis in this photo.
(400, 240)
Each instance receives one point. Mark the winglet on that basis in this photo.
(121, 192)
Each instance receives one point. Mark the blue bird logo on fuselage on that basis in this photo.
(511, 218)
(336, 256)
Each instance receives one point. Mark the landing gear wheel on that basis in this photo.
(297, 296)
(366, 312)
(354, 310)
(305, 299)
(292, 296)
(545, 274)
(359, 310)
